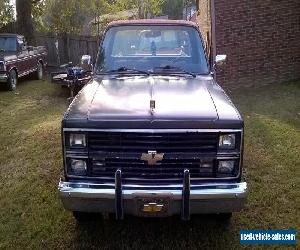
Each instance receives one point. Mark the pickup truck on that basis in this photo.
(18, 60)
(153, 134)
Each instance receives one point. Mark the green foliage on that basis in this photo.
(71, 16)
(152, 8)
(6, 13)
(38, 9)
(64, 16)
(173, 8)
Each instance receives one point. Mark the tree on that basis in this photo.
(6, 13)
(68, 16)
(173, 8)
(151, 8)
(38, 10)
(147, 8)
(24, 19)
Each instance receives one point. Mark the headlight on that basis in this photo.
(225, 167)
(227, 141)
(77, 140)
(77, 167)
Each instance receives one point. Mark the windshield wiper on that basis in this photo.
(127, 70)
(174, 69)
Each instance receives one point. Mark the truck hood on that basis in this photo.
(129, 98)
(7, 55)
(126, 100)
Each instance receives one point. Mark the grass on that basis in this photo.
(32, 217)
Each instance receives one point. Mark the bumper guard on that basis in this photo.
(119, 198)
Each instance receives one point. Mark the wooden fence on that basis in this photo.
(70, 47)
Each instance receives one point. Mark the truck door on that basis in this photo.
(32, 57)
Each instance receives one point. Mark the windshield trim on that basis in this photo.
(151, 73)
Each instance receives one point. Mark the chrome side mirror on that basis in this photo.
(86, 62)
(220, 60)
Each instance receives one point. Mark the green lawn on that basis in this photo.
(32, 217)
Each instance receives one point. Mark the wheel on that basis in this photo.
(224, 217)
(39, 71)
(12, 80)
(82, 217)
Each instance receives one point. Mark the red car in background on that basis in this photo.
(18, 60)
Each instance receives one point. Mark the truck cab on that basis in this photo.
(152, 134)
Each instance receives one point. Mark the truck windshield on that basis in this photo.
(8, 44)
(152, 49)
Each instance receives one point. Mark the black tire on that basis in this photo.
(12, 80)
(226, 217)
(40, 71)
(82, 217)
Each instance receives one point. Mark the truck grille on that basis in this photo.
(160, 142)
(110, 151)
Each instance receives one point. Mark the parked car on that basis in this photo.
(18, 60)
(153, 134)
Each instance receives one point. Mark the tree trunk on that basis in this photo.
(24, 20)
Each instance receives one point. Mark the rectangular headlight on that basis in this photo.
(226, 167)
(227, 141)
(77, 140)
(77, 167)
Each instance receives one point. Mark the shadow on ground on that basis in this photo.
(154, 233)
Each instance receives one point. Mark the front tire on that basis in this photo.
(39, 71)
(12, 80)
(225, 217)
(82, 217)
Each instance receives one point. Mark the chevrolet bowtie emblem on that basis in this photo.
(152, 157)
(153, 207)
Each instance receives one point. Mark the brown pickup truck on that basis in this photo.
(17, 59)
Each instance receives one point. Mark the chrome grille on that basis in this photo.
(110, 151)
(160, 142)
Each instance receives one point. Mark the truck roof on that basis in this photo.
(152, 22)
(10, 35)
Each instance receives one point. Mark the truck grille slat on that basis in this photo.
(151, 147)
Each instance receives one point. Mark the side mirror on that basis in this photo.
(86, 62)
(220, 60)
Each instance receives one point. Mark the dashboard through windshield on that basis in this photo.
(152, 48)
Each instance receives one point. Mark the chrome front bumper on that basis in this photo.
(3, 77)
(204, 198)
